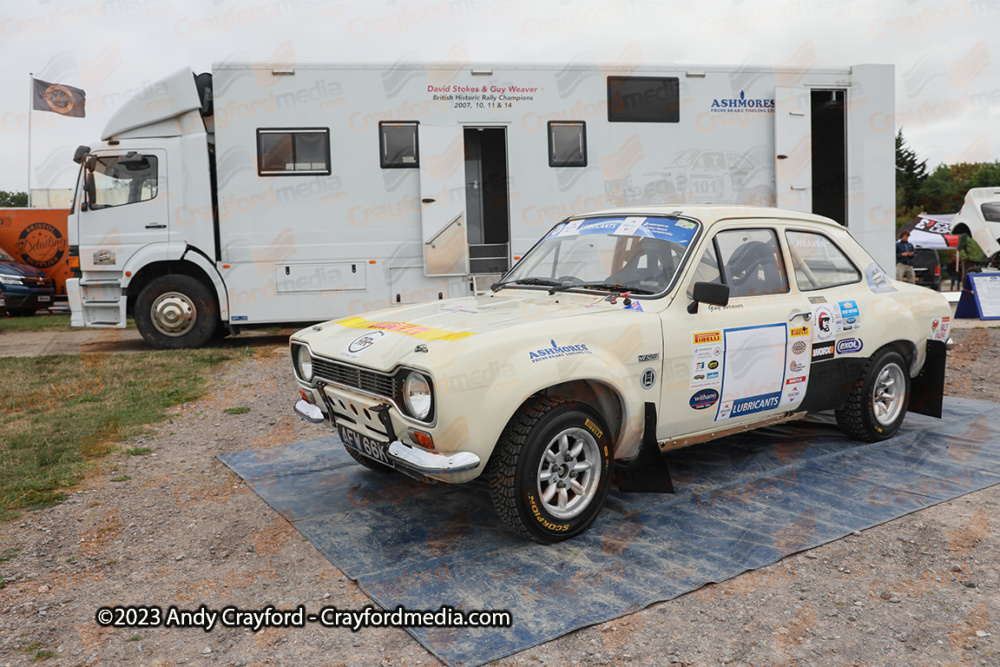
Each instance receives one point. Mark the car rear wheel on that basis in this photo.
(549, 476)
(877, 405)
(176, 311)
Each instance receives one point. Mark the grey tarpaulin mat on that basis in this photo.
(742, 503)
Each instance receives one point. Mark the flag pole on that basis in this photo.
(31, 97)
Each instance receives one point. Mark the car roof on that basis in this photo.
(711, 215)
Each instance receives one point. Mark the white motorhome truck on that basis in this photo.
(261, 194)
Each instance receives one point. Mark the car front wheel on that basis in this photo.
(877, 404)
(551, 473)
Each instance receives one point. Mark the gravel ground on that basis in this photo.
(183, 530)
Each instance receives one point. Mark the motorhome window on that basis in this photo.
(300, 152)
(818, 263)
(991, 212)
(643, 99)
(121, 179)
(567, 143)
(397, 145)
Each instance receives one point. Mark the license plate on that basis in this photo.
(373, 449)
(45, 298)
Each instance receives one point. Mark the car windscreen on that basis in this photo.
(639, 254)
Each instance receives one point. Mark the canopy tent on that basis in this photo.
(933, 231)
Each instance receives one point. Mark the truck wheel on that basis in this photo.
(176, 311)
(877, 404)
(369, 463)
(549, 475)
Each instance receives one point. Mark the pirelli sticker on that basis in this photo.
(703, 337)
(706, 359)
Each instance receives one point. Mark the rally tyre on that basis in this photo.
(549, 476)
(369, 463)
(877, 405)
(176, 311)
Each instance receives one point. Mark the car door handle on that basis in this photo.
(805, 316)
(156, 225)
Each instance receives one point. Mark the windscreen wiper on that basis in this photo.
(526, 281)
(612, 287)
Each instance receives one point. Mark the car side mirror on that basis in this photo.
(716, 294)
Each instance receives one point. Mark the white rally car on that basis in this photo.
(619, 335)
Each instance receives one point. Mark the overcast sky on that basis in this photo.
(947, 83)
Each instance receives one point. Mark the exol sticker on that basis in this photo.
(826, 325)
(849, 346)
(704, 399)
(648, 378)
(360, 344)
(649, 357)
(556, 351)
(822, 351)
(799, 347)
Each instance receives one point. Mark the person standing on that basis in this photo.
(904, 258)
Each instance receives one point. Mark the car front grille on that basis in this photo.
(32, 281)
(362, 379)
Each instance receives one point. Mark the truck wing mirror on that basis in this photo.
(716, 294)
(81, 154)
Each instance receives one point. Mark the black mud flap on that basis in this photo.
(647, 472)
(927, 389)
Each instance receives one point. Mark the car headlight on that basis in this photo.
(417, 395)
(8, 279)
(304, 363)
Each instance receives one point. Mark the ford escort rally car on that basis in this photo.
(620, 335)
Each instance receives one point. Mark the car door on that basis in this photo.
(745, 361)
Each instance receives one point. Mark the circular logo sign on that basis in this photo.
(798, 347)
(59, 98)
(364, 342)
(41, 245)
(704, 399)
(648, 378)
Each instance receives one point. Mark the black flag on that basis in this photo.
(58, 98)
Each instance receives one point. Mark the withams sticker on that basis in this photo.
(704, 399)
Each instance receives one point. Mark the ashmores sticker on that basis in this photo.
(557, 351)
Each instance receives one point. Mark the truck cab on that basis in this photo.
(142, 219)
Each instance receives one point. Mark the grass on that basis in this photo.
(138, 451)
(241, 410)
(58, 322)
(60, 413)
(36, 323)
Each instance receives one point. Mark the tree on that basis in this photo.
(910, 174)
(13, 199)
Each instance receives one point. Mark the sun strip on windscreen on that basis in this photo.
(676, 231)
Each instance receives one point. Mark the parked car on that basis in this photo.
(927, 268)
(622, 334)
(23, 287)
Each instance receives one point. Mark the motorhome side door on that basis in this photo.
(442, 201)
(793, 148)
(126, 207)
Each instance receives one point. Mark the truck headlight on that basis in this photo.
(304, 363)
(8, 279)
(417, 395)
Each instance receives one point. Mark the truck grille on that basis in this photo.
(362, 379)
